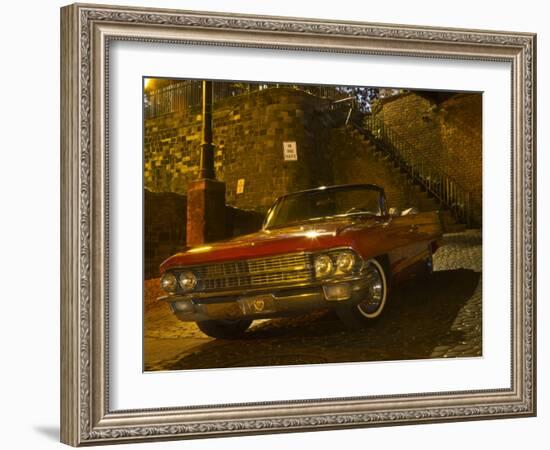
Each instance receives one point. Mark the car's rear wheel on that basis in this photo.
(224, 329)
(372, 305)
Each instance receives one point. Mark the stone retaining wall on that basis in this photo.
(165, 218)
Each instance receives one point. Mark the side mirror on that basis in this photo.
(394, 212)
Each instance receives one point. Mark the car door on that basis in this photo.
(413, 234)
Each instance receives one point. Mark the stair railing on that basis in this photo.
(406, 157)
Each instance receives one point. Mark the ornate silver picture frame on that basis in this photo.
(87, 32)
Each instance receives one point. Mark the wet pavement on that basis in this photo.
(440, 317)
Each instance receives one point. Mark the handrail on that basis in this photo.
(407, 157)
(187, 94)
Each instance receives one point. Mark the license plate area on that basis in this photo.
(257, 304)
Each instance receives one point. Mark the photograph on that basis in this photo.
(289, 224)
(266, 225)
(276, 224)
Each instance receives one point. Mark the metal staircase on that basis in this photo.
(406, 157)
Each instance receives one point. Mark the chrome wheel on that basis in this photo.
(375, 299)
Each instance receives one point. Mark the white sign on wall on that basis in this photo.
(290, 151)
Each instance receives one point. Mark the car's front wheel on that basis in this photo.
(374, 301)
(224, 329)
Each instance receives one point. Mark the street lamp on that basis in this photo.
(206, 167)
(206, 196)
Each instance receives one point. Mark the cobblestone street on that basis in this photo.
(439, 318)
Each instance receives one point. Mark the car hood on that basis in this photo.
(303, 237)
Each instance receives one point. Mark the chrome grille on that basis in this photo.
(290, 268)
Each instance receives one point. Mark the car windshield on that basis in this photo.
(324, 204)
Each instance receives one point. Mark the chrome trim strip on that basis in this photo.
(258, 290)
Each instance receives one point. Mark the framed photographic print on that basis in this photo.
(276, 225)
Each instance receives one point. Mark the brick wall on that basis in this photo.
(356, 162)
(249, 132)
(448, 134)
(164, 225)
(164, 220)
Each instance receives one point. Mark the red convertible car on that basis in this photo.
(331, 247)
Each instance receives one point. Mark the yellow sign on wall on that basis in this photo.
(240, 185)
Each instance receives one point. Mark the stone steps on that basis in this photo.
(426, 201)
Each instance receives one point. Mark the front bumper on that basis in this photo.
(266, 303)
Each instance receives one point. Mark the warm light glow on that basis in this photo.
(147, 82)
(270, 215)
(204, 248)
(312, 234)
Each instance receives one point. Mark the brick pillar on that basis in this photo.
(205, 211)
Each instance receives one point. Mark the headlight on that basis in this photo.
(168, 282)
(187, 280)
(336, 263)
(324, 266)
(345, 261)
